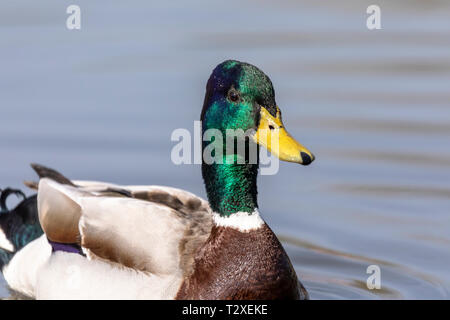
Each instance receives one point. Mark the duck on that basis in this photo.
(107, 241)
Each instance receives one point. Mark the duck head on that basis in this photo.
(240, 96)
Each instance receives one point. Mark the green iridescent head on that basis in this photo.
(241, 96)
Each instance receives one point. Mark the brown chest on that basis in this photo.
(241, 265)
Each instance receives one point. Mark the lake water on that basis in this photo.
(374, 107)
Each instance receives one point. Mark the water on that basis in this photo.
(374, 106)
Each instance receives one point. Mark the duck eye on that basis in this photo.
(233, 95)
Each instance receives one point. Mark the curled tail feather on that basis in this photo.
(18, 226)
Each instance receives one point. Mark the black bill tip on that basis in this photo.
(306, 158)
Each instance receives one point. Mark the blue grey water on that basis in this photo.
(374, 106)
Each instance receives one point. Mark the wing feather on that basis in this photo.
(158, 230)
(134, 233)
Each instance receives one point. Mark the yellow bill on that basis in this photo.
(272, 135)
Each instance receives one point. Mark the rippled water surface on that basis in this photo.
(374, 106)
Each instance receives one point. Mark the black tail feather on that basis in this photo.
(5, 194)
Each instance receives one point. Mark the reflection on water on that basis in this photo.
(373, 106)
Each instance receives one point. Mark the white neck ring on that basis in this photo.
(241, 221)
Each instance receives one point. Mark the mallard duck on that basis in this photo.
(105, 241)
